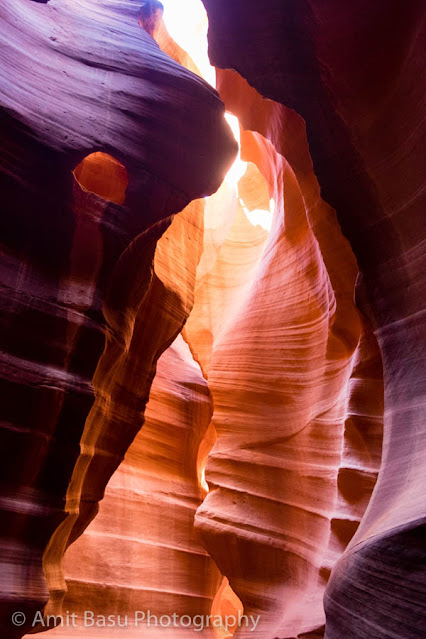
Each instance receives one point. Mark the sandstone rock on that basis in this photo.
(141, 553)
(355, 73)
(284, 311)
(79, 78)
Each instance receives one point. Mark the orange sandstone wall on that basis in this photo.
(279, 377)
(355, 73)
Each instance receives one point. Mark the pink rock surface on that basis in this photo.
(280, 416)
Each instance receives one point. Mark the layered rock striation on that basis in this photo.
(280, 418)
(236, 379)
(356, 75)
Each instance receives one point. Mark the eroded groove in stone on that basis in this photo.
(281, 419)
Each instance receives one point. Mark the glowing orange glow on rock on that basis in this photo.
(227, 605)
(103, 175)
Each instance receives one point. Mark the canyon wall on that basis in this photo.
(277, 471)
(295, 398)
(218, 411)
(355, 73)
(84, 284)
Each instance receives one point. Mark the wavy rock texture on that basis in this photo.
(224, 275)
(235, 348)
(124, 374)
(362, 444)
(77, 269)
(355, 73)
(140, 552)
(128, 559)
(280, 417)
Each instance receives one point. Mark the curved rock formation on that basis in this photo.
(273, 472)
(356, 75)
(268, 337)
(140, 553)
(223, 277)
(122, 380)
(77, 78)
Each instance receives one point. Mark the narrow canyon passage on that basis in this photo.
(212, 295)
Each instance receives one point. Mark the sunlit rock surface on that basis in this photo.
(298, 433)
(280, 417)
(141, 552)
(355, 73)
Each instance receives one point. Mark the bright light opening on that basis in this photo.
(239, 167)
(187, 23)
(261, 217)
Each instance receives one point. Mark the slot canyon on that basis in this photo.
(213, 292)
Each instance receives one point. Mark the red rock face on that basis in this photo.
(354, 73)
(280, 419)
(242, 406)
